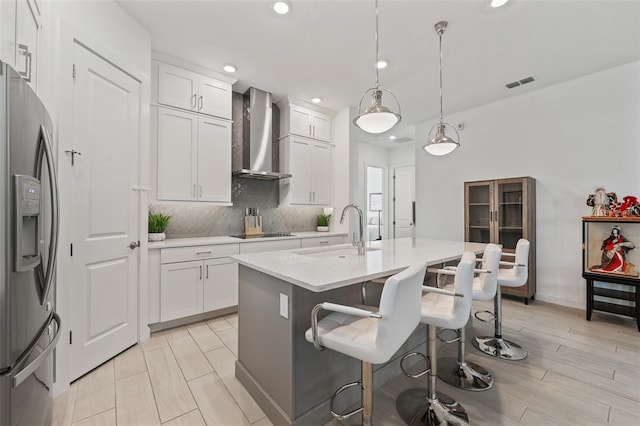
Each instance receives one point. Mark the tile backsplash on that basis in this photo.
(205, 220)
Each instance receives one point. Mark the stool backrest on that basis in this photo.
(463, 284)
(490, 261)
(400, 305)
(518, 275)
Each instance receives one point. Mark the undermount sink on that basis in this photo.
(334, 251)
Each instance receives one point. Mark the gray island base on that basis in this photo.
(290, 380)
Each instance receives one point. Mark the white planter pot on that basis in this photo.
(160, 236)
(322, 229)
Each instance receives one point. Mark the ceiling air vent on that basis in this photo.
(402, 139)
(520, 82)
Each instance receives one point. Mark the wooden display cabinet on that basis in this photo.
(502, 211)
(608, 289)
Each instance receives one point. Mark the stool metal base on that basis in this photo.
(499, 348)
(468, 375)
(443, 411)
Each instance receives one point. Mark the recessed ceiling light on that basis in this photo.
(382, 64)
(229, 68)
(498, 3)
(392, 137)
(316, 100)
(281, 7)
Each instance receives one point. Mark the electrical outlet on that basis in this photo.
(284, 306)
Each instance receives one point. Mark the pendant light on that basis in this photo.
(377, 118)
(440, 143)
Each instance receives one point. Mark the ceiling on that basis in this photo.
(327, 48)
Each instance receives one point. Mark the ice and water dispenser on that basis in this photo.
(27, 217)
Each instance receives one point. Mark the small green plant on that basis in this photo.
(323, 219)
(158, 222)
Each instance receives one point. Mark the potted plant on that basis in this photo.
(323, 222)
(157, 225)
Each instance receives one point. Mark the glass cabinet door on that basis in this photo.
(478, 212)
(509, 196)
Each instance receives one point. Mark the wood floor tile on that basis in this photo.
(129, 363)
(63, 406)
(135, 403)
(189, 356)
(223, 361)
(205, 338)
(169, 386)
(263, 422)
(233, 320)
(230, 338)
(534, 418)
(219, 324)
(156, 341)
(192, 418)
(96, 392)
(607, 391)
(623, 418)
(216, 403)
(106, 418)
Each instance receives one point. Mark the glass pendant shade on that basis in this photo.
(441, 144)
(377, 118)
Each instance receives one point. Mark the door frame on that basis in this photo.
(69, 35)
(385, 196)
(392, 200)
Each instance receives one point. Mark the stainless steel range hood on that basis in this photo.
(255, 160)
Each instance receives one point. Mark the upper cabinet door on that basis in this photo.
(177, 155)
(177, 87)
(320, 126)
(300, 168)
(214, 160)
(300, 123)
(321, 173)
(27, 35)
(214, 97)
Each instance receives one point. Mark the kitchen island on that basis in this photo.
(288, 378)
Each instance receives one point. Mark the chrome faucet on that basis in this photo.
(360, 242)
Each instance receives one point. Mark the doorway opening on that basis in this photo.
(376, 199)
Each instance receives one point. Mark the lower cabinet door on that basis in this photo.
(181, 289)
(220, 284)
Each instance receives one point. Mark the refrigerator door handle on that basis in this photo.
(44, 150)
(36, 363)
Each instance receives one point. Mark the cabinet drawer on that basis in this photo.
(322, 241)
(181, 254)
(261, 246)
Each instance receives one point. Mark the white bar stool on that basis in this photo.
(371, 337)
(515, 276)
(450, 309)
(458, 371)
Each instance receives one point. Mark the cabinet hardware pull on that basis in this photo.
(314, 196)
(195, 101)
(314, 131)
(200, 190)
(310, 130)
(309, 195)
(27, 62)
(194, 190)
(200, 103)
(200, 271)
(207, 271)
(203, 252)
(323, 242)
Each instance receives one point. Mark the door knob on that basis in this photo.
(134, 244)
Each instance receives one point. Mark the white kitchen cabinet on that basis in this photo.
(309, 162)
(217, 293)
(20, 28)
(181, 88)
(303, 121)
(194, 157)
(263, 246)
(181, 290)
(194, 280)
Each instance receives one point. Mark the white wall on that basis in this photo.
(404, 155)
(570, 137)
(341, 161)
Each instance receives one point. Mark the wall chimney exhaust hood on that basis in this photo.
(256, 151)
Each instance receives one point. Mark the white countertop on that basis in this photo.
(201, 241)
(326, 268)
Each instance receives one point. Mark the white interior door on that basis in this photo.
(105, 211)
(404, 197)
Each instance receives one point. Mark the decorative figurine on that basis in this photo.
(614, 250)
(628, 207)
(601, 201)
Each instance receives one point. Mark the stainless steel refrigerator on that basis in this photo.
(29, 216)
